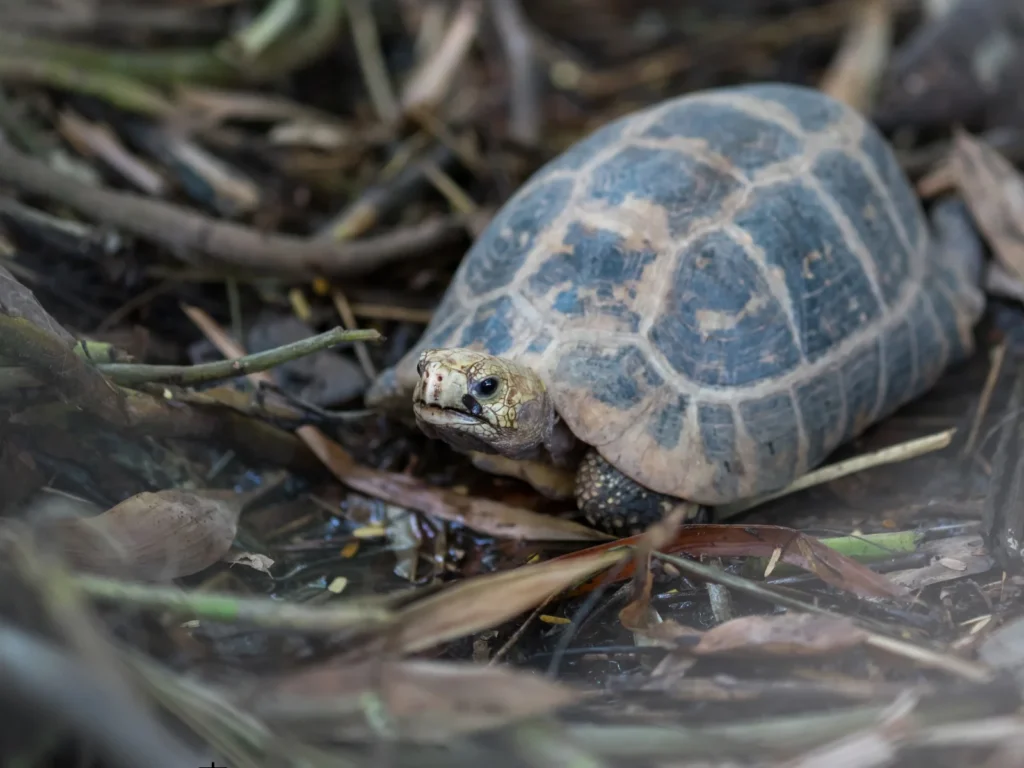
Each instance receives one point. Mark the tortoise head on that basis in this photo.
(480, 402)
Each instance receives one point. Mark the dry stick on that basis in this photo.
(183, 230)
(366, 39)
(128, 374)
(348, 319)
(995, 369)
(524, 98)
(135, 374)
(911, 449)
(361, 614)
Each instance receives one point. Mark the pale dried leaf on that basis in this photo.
(483, 602)
(257, 562)
(783, 635)
(428, 701)
(994, 192)
(968, 552)
(150, 536)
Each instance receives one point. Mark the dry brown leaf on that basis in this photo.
(790, 634)
(795, 548)
(151, 536)
(994, 192)
(428, 701)
(482, 602)
(484, 515)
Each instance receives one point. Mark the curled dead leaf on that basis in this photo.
(994, 192)
(790, 634)
(151, 536)
(257, 562)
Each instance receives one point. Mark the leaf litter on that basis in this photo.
(380, 588)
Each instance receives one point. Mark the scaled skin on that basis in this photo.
(500, 414)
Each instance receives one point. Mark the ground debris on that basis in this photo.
(219, 221)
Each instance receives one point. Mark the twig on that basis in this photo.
(266, 29)
(385, 196)
(130, 374)
(192, 65)
(740, 584)
(120, 90)
(349, 321)
(371, 62)
(182, 229)
(363, 614)
(998, 356)
(524, 97)
(911, 449)
(429, 84)
(785, 734)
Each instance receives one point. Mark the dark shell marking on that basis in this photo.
(719, 290)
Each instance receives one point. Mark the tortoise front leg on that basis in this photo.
(612, 502)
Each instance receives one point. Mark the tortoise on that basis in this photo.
(698, 302)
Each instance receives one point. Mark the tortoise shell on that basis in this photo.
(718, 290)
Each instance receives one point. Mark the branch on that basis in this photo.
(183, 230)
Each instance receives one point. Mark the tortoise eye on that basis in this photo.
(419, 367)
(487, 387)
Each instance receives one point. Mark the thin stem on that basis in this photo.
(131, 374)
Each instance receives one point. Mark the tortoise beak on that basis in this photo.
(442, 396)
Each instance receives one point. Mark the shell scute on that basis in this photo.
(861, 380)
(773, 427)
(720, 323)
(831, 296)
(931, 347)
(906, 207)
(716, 423)
(583, 151)
(666, 422)
(621, 377)
(900, 361)
(683, 187)
(869, 212)
(492, 327)
(821, 403)
(750, 143)
(499, 254)
(597, 274)
(811, 111)
(940, 285)
(540, 343)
